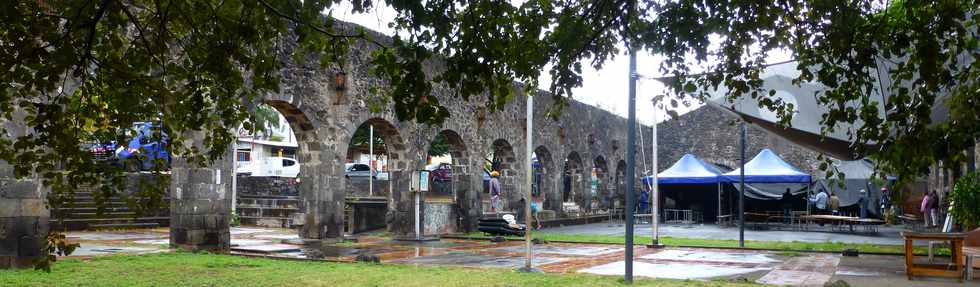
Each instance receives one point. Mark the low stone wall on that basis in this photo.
(267, 186)
(440, 218)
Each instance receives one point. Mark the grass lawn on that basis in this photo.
(190, 269)
(773, 245)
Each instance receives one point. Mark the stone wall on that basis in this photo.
(266, 186)
(325, 116)
(712, 134)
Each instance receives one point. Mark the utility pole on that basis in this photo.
(528, 173)
(371, 160)
(630, 166)
(655, 186)
(741, 191)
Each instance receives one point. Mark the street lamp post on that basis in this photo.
(630, 166)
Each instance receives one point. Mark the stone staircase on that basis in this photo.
(83, 214)
(268, 210)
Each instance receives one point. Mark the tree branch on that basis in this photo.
(316, 28)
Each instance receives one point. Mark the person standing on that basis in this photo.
(884, 202)
(495, 191)
(643, 202)
(834, 203)
(933, 208)
(535, 209)
(787, 203)
(820, 202)
(924, 208)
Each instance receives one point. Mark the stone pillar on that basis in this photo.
(24, 220)
(200, 204)
(322, 192)
(24, 217)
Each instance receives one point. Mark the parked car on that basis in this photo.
(358, 170)
(271, 166)
(147, 145)
(441, 172)
(143, 150)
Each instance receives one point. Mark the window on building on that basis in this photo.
(244, 156)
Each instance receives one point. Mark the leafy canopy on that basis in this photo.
(78, 70)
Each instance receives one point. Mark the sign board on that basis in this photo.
(423, 181)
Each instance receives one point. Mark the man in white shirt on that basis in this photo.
(820, 201)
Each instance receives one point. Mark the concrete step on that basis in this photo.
(124, 225)
(86, 223)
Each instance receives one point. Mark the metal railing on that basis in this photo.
(682, 216)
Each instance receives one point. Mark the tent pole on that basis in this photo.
(719, 203)
(741, 192)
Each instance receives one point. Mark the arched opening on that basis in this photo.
(374, 157)
(446, 161)
(543, 185)
(601, 197)
(272, 157)
(501, 159)
(572, 184)
(619, 200)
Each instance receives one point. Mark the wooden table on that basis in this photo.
(955, 247)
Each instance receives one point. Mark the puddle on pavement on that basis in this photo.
(113, 236)
(562, 250)
(91, 250)
(242, 230)
(247, 242)
(476, 260)
(671, 270)
(711, 256)
(153, 242)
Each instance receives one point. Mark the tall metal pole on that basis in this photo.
(741, 183)
(655, 186)
(527, 177)
(234, 174)
(371, 160)
(630, 166)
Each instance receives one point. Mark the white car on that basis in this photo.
(272, 166)
(357, 170)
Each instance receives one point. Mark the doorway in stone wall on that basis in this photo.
(375, 156)
(271, 161)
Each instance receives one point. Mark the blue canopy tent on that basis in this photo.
(767, 167)
(689, 170)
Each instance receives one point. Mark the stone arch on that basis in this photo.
(312, 168)
(620, 180)
(394, 145)
(371, 199)
(544, 179)
(573, 177)
(504, 161)
(459, 155)
(601, 199)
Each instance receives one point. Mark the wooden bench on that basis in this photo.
(956, 249)
(970, 253)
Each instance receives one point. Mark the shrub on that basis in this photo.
(965, 201)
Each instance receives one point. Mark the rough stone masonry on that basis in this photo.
(324, 117)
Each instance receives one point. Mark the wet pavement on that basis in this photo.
(885, 235)
(764, 267)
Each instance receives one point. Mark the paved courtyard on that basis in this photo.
(764, 267)
(885, 235)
